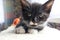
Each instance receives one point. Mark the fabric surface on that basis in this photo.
(46, 34)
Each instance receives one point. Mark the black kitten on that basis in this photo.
(34, 15)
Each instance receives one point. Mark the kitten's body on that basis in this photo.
(34, 15)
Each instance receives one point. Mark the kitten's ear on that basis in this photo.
(25, 3)
(47, 6)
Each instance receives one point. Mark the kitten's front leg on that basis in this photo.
(32, 31)
(20, 30)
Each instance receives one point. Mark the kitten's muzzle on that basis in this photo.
(32, 24)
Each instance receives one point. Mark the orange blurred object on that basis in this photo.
(16, 21)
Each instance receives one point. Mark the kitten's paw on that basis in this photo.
(20, 30)
(32, 31)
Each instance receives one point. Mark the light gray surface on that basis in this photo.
(55, 20)
(46, 34)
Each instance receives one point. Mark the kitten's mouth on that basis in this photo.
(33, 25)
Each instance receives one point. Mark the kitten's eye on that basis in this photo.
(37, 19)
(40, 15)
(29, 14)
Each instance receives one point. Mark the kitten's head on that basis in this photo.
(35, 13)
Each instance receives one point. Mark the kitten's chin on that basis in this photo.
(37, 27)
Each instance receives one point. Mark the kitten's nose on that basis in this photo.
(32, 23)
